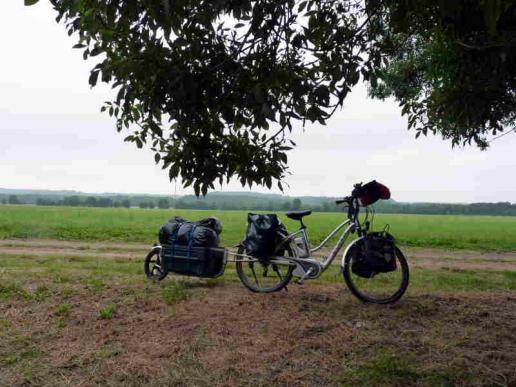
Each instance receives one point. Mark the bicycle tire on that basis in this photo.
(255, 287)
(366, 299)
(152, 272)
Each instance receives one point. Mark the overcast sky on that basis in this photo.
(53, 135)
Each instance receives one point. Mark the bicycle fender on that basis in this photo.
(156, 248)
(347, 250)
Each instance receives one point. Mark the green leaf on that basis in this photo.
(30, 2)
(94, 76)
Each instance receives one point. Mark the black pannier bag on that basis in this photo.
(375, 253)
(262, 234)
(372, 192)
(191, 247)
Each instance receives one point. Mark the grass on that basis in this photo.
(63, 310)
(108, 312)
(391, 369)
(141, 225)
(442, 333)
(12, 290)
(101, 321)
(174, 292)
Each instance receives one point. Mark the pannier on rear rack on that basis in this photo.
(191, 248)
(261, 235)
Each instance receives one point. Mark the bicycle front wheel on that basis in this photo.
(380, 288)
(262, 276)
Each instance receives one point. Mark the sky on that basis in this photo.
(53, 135)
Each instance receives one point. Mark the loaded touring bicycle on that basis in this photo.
(268, 258)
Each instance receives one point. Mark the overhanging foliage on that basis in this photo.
(213, 87)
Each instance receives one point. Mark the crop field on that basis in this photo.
(141, 225)
(76, 309)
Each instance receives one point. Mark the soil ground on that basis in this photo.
(83, 314)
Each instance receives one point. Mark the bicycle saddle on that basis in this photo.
(297, 215)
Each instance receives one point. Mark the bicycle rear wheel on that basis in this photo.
(152, 266)
(380, 288)
(261, 276)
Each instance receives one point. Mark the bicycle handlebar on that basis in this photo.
(352, 202)
(347, 199)
(353, 206)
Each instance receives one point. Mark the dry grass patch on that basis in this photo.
(104, 323)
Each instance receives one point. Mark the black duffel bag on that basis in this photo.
(191, 248)
(263, 232)
(204, 233)
(375, 253)
(196, 235)
(169, 230)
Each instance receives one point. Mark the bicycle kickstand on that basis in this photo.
(301, 280)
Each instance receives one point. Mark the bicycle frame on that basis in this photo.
(352, 225)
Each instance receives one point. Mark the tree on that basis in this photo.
(73, 201)
(451, 65)
(296, 204)
(13, 199)
(213, 88)
(163, 203)
(91, 201)
(126, 203)
(45, 202)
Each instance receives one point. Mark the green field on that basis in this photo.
(139, 225)
(83, 313)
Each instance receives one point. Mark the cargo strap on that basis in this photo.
(173, 240)
(190, 240)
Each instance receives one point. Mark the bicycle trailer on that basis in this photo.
(206, 262)
(191, 248)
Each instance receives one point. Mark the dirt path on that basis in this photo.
(46, 247)
(418, 257)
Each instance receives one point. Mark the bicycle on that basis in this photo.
(292, 257)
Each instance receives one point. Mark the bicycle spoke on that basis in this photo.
(275, 268)
(379, 287)
(251, 265)
(249, 272)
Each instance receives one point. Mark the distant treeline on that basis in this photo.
(247, 201)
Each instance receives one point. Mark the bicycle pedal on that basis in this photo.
(301, 280)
